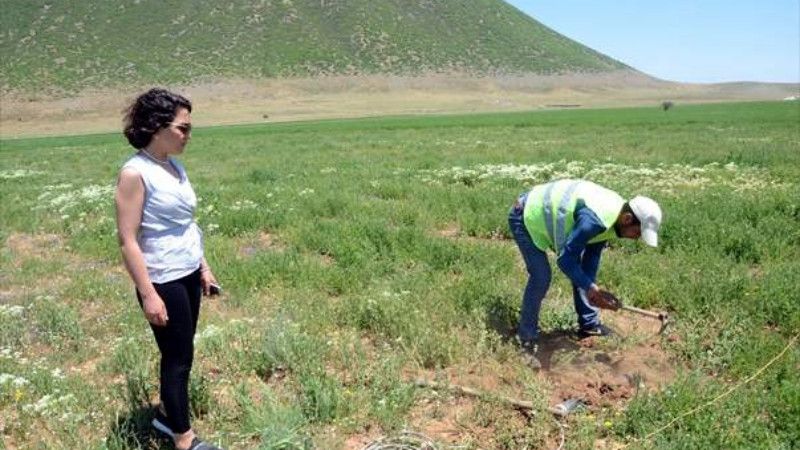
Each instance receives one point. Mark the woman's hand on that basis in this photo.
(155, 311)
(207, 279)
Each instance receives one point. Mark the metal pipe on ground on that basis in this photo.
(560, 410)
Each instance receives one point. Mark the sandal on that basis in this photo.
(161, 423)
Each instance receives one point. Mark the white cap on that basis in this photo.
(649, 214)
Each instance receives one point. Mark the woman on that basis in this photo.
(163, 247)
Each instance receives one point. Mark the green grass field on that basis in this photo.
(359, 255)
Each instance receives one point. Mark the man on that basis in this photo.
(574, 218)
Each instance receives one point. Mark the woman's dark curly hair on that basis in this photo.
(150, 112)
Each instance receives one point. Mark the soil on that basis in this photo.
(601, 372)
(607, 374)
(37, 246)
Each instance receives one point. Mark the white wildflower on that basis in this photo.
(208, 332)
(49, 404)
(19, 173)
(58, 197)
(11, 311)
(654, 179)
(243, 204)
(12, 380)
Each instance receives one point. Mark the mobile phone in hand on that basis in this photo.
(214, 289)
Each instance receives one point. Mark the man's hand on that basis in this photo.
(603, 299)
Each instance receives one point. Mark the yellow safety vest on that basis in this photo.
(550, 208)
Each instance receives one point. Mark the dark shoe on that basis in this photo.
(161, 424)
(528, 345)
(599, 330)
(199, 444)
(528, 350)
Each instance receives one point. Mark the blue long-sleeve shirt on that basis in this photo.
(580, 260)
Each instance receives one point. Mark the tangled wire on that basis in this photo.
(407, 440)
(411, 440)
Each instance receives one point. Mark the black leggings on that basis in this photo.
(176, 343)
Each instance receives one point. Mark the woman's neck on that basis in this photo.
(161, 157)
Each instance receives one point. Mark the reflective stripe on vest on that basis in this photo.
(561, 214)
(549, 211)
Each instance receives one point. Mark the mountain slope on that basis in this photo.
(76, 44)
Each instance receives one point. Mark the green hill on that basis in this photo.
(69, 45)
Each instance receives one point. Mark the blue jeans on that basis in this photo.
(588, 315)
(539, 277)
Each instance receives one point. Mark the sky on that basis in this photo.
(699, 41)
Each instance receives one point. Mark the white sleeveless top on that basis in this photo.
(171, 241)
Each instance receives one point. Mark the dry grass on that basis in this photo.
(281, 100)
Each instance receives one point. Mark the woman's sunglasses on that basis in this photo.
(184, 128)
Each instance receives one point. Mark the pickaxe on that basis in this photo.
(607, 300)
(661, 316)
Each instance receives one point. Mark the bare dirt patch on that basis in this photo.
(36, 246)
(450, 231)
(453, 231)
(608, 371)
(448, 421)
(600, 372)
(264, 241)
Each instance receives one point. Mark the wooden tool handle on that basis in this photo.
(644, 312)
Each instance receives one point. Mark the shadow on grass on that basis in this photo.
(502, 318)
(563, 341)
(133, 431)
